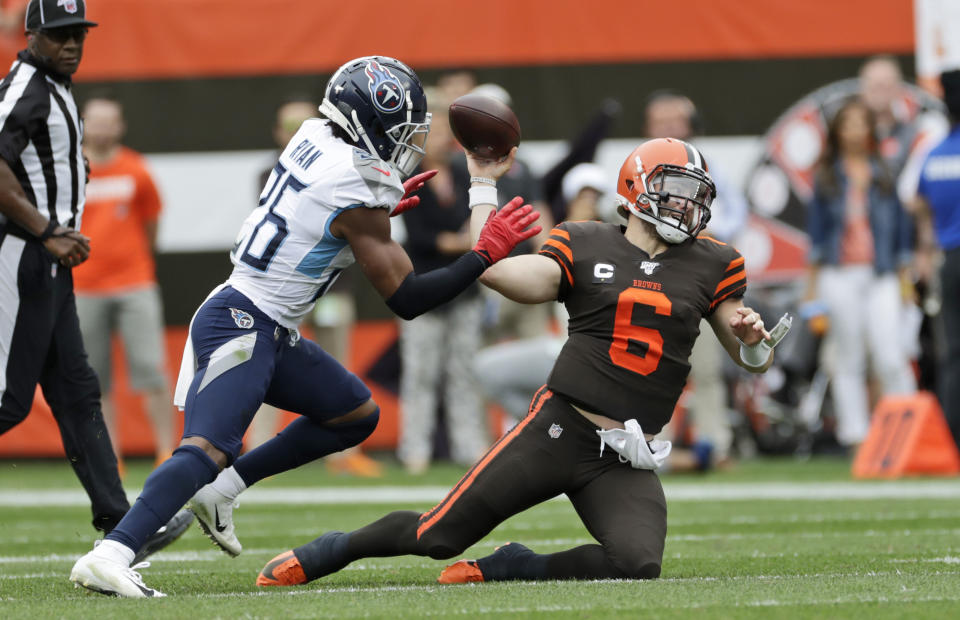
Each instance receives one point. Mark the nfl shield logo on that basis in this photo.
(69, 5)
(241, 318)
(555, 430)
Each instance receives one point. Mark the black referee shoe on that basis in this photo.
(165, 535)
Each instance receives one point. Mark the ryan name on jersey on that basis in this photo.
(305, 153)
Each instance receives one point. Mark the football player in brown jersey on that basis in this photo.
(635, 294)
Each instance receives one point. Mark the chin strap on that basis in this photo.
(334, 114)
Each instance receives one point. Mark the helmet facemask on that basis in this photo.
(676, 201)
(410, 139)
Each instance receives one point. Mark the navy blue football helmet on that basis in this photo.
(380, 103)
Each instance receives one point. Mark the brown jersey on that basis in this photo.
(633, 319)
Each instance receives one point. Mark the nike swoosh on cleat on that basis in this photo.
(216, 515)
(146, 591)
(268, 569)
(386, 172)
(291, 572)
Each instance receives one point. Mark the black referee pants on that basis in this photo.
(40, 342)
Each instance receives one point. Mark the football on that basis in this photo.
(484, 126)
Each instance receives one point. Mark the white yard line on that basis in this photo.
(675, 492)
(216, 556)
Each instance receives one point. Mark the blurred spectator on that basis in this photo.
(897, 129)
(12, 14)
(438, 348)
(332, 317)
(116, 288)
(290, 115)
(939, 218)
(507, 319)
(583, 188)
(455, 83)
(669, 114)
(860, 242)
(581, 149)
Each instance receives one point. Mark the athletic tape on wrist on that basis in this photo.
(486, 180)
(483, 195)
(755, 355)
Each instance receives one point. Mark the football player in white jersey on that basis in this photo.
(325, 205)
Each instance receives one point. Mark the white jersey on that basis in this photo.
(285, 257)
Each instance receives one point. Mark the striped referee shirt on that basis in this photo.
(40, 134)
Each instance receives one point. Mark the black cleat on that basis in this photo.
(174, 528)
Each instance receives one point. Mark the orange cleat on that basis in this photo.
(354, 463)
(283, 570)
(464, 571)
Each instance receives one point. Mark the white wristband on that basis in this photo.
(485, 180)
(755, 355)
(483, 195)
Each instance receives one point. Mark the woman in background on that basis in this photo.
(860, 248)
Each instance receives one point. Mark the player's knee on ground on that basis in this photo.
(637, 563)
(440, 543)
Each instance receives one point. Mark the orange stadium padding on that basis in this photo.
(908, 436)
(141, 39)
(38, 436)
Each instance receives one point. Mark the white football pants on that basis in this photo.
(865, 311)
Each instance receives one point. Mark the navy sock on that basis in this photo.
(302, 441)
(166, 490)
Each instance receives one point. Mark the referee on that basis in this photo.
(42, 182)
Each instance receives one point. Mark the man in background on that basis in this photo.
(507, 319)
(116, 288)
(438, 348)
(670, 114)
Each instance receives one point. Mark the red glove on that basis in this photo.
(409, 186)
(504, 229)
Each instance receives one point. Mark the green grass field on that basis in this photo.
(771, 538)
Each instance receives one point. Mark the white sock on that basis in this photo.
(115, 552)
(229, 484)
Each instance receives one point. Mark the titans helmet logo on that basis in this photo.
(385, 89)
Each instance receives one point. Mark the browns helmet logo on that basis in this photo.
(385, 89)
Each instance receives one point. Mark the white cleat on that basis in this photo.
(215, 516)
(112, 578)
